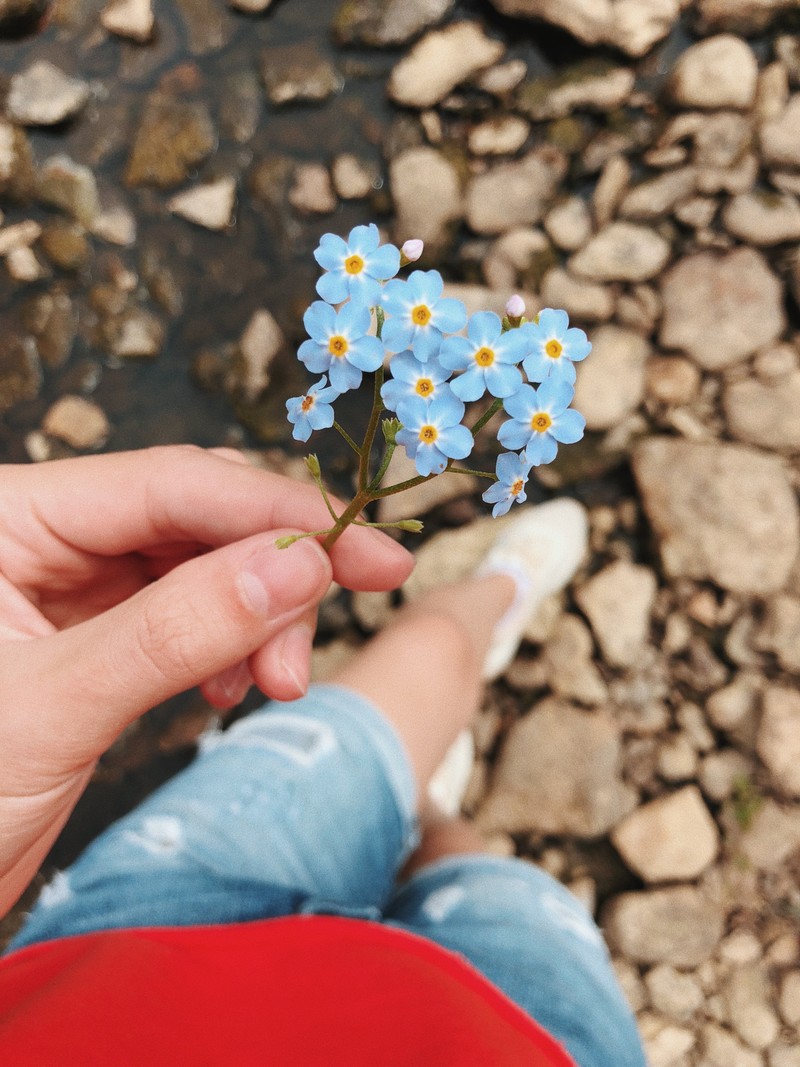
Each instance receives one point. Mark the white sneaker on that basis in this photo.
(541, 549)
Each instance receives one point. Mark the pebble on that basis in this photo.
(129, 18)
(588, 86)
(789, 1003)
(618, 601)
(43, 95)
(77, 421)
(584, 301)
(673, 838)
(514, 194)
(20, 235)
(501, 136)
(298, 74)
(250, 7)
(671, 380)
(747, 994)
(439, 62)
(673, 992)
(558, 773)
(741, 16)
(71, 187)
(172, 138)
(210, 205)
(721, 309)
(260, 344)
(116, 225)
(427, 196)
(610, 189)
(639, 309)
(677, 759)
(352, 178)
(719, 72)
(720, 771)
(569, 224)
(139, 334)
(312, 192)
(765, 414)
(20, 370)
(611, 384)
(781, 1055)
(771, 836)
(722, 1049)
(512, 257)
(692, 494)
(780, 631)
(568, 656)
(677, 925)
(387, 22)
(763, 218)
(778, 741)
(622, 252)
(65, 244)
(659, 196)
(780, 137)
(665, 1044)
(23, 266)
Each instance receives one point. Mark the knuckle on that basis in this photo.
(166, 643)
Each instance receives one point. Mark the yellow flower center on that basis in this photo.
(338, 346)
(307, 404)
(484, 357)
(428, 434)
(424, 387)
(354, 264)
(517, 487)
(541, 421)
(554, 349)
(421, 315)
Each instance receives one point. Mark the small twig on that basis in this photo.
(337, 426)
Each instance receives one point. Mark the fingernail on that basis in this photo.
(233, 680)
(275, 581)
(295, 656)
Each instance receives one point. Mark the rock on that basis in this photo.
(422, 498)
(657, 197)
(670, 839)
(569, 224)
(352, 178)
(679, 926)
(23, 265)
(208, 25)
(780, 137)
(503, 78)
(674, 993)
(514, 194)
(719, 72)
(250, 7)
(20, 370)
(671, 380)
(558, 773)
(70, 186)
(592, 85)
(772, 836)
(633, 26)
(502, 136)
(312, 192)
(116, 225)
(129, 18)
(261, 342)
(582, 300)
(693, 496)
(721, 309)
(427, 196)
(568, 657)
(20, 235)
(722, 1049)
(730, 707)
(16, 163)
(765, 414)
(781, 1055)
(741, 16)
(173, 137)
(43, 95)
(610, 189)
(387, 22)
(665, 1044)
(697, 212)
(297, 73)
(517, 257)
(763, 218)
(209, 205)
(622, 252)
(610, 384)
(747, 994)
(720, 771)
(53, 321)
(618, 602)
(65, 245)
(677, 759)
(780, 632)
(18, 13)
(441, 61)
(790, 998)
(778, 741)
(77, 421)
(138, 334)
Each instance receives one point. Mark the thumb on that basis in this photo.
(73, 692)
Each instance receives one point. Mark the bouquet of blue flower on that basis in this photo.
(425, 371)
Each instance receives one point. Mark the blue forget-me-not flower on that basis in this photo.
(431, 432)
(411, 378)
(312, 411)
(339, 343)
(356, 267)
(512, 477)
(417, 315)
(487, 356)
(540, 418)
(553, 347)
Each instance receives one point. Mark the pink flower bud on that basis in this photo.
(412, 249)
(515, 308)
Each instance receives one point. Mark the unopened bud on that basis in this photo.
(312, 463)
(411, 251)
(390, 428)
(411, 525)
(515, 308)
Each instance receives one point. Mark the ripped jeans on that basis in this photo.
(309, 807)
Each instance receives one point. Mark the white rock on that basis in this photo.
(23, 266)
(77, 421)
(514, 194)
(569, 224)
(674, 993)
(70, 186)
(209, 205)
(741, 16)
(611, 382)
(568, 656)
(582, 300)
(260, 343)
(43, 95)
(780, 137)
(721, 309)
(501, 136)
(579, 87)
(116, 225)
(679, 925)
(673, 838)
(665, 1044)
(720, 772)
(765, 415)
(427, 196)
(352, 179)
(763, 218)
(772, 836)
(129, 18)
(778, 741)
(618, 602)
(622, 252)
(312, 192)
(140, 335)
(747, 994)
(20, 235)
(440, 61)
(656, 197)
(611, 187)
(790, 998)
(719, 72)
(722, 1049)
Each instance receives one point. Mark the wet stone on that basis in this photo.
(297, 74)
(173, 137)
(250, 7)
(20, 370)
(129, 18)
(19, 235)
(693, 495)
(248, 373)
(208, 25)
(78, 422)
(209, 205)
(23, 265)
(387, 22)
(589, 86)
(70, 186)
(439, 62)
(622, 252)
(65, 245)
(514, 194)
(720, 72)
(43, 95)
(17, 13)
(427, 196)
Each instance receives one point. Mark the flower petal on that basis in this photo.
(471, 385)
(331, 251)
(541, 448)
(514, 434)
(502, 380)
(456, 442)
(363, 239)
(333, 286)
(366, 353)
(450, 315)
(320, 321)
(568, 427)
(397, 334)
(456, 353)
(344, 376)
(384, 262)
(316, 357)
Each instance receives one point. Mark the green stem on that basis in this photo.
(490, 411)
(353, 509)
(284, 542)
(400, 486)
(347, 438)
(466, 470)
(369, 436)
(387, 457)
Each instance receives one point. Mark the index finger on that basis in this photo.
(125, 502)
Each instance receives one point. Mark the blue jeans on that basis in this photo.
(309, 807)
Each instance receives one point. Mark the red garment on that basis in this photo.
(305, 991)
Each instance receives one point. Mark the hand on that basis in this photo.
(128, 578)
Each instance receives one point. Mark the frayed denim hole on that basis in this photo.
(303, 741)
(158, 835)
